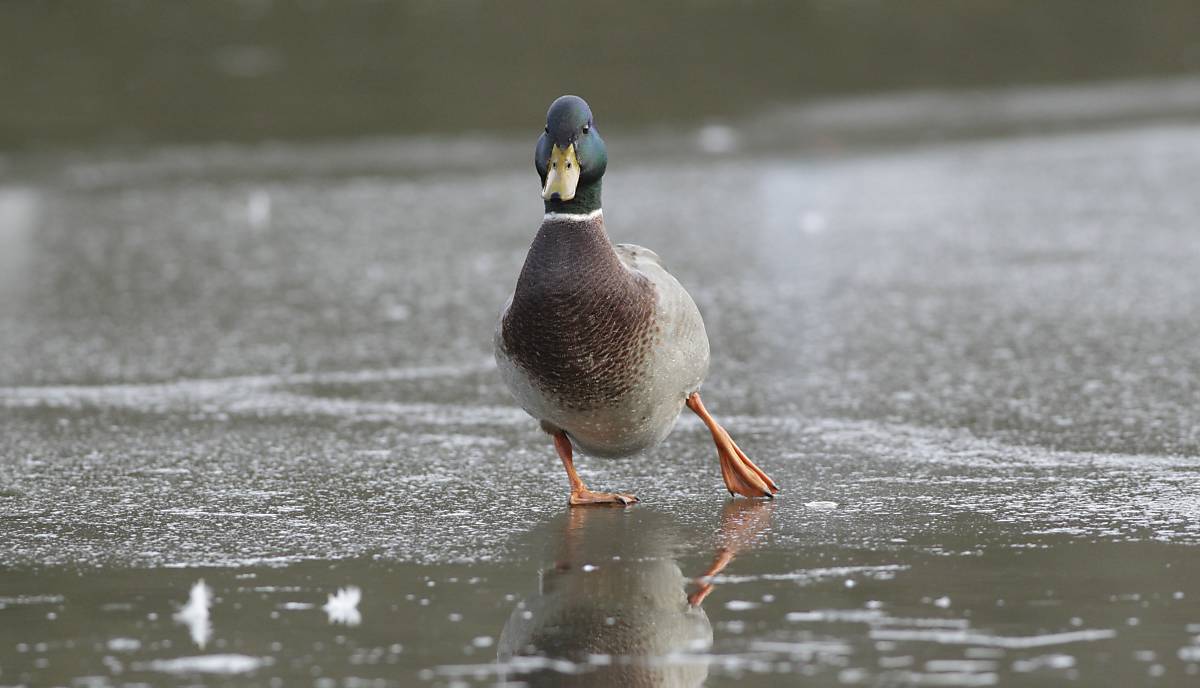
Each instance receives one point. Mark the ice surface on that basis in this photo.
(968, 363)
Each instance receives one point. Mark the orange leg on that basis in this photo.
(739, 472)
(580, 494)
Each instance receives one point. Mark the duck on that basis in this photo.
(599, 343)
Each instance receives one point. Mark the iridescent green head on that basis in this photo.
(570, 158)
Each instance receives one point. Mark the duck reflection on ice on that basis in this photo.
(612, 605)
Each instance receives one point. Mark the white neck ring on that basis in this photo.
(574, 217)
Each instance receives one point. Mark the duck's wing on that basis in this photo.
(647, 263)
(639, 257)
(681, 349)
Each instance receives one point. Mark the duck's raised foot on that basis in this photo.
(585, 497)
(740, 474)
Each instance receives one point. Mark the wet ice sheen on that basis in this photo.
(969, 378)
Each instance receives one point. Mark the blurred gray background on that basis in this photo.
(137, 71)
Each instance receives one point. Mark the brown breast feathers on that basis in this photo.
(580, 324)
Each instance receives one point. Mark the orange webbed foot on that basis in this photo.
(586, 497)
(580, 494)
(741, 475)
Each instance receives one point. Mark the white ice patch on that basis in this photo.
(31, 599)
(1053, 661)
(342, 606)
(198, 513)
(261, 394)
(976, 638)
(807, 576)
(813, 222)
(836, 615)
(258, 209)
(20, 210)
(740, 605)
(805, 650)
(195, 614)
(206, 664)
(957, 680)
(717, 139)
(124, 644)
(234, 562)
(961, 666)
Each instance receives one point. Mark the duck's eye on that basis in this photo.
(586, 128)
(568, 165)
(547, 128)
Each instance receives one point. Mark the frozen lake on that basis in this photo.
(971, 364)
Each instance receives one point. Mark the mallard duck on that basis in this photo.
(599, 342)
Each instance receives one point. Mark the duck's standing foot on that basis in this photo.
(589, 497)
(580, 494)
(740, 473)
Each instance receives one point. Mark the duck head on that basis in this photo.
(570, 158)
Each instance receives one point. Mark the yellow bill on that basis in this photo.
(562, 175)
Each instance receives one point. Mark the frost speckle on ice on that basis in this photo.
(342, 607)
